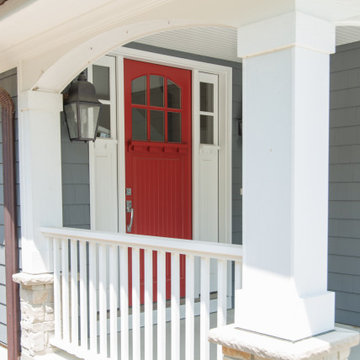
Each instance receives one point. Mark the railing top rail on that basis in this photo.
(198, 248)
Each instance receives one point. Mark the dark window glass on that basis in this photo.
(104, 122)
(156, 90)
(139, 124)
(174, 127)
(174, 95)
(156, 125)
(206, 129)
(138, 90)
(101, 80)
(206, 97)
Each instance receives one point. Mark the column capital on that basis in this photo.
(284, 31)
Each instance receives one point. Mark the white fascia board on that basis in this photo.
(291, 29)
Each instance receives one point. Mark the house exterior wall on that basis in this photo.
(344, 186)
(8, 81)
(75, 181)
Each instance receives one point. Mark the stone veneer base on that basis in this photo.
(246, 345)
(37, 313)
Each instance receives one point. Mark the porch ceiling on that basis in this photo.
(220, 42)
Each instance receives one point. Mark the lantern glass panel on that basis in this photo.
(71, 119)
(89, 114)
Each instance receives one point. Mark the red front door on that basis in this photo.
(158, 155)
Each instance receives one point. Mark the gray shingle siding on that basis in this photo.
(8, 81)
(344, 183)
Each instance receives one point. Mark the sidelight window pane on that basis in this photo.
(104, 122)
(138, 90)
(156, 90)
(206, 129)
(206, 97)
(174, 95)
(157, 125)
(139, 124)
(174, 127)
(101, 80)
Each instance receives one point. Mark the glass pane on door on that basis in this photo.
(157, 125)
(138, 91)
(174, 95)
(139, 124)
(174, 127)
(156, 90)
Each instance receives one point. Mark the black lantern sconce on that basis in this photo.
(82, 109)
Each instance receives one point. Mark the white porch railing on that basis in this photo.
(93, 319)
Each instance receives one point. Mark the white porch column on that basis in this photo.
(285, 176)
(40, 175)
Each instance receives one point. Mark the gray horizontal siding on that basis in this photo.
(8, 81)
(344, 183)
(75, 182)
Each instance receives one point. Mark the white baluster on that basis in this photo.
(148, 300)
(189, 308)
(161, 305)
(175, 306)
(65, 290)
(237, 286)
(124, 302)
(102, 300)
(74, 294)
(83, 298)
(204, 308)
(113, 279)
(57, 292)
(221, 302)
(92, 298)
(136, 303)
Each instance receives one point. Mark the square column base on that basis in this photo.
(247, 345)
(288, 316)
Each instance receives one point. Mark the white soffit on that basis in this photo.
(220, 42)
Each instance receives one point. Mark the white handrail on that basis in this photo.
(199, 248)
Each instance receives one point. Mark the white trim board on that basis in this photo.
(225, 132)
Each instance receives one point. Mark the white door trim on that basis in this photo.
(225, 132)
